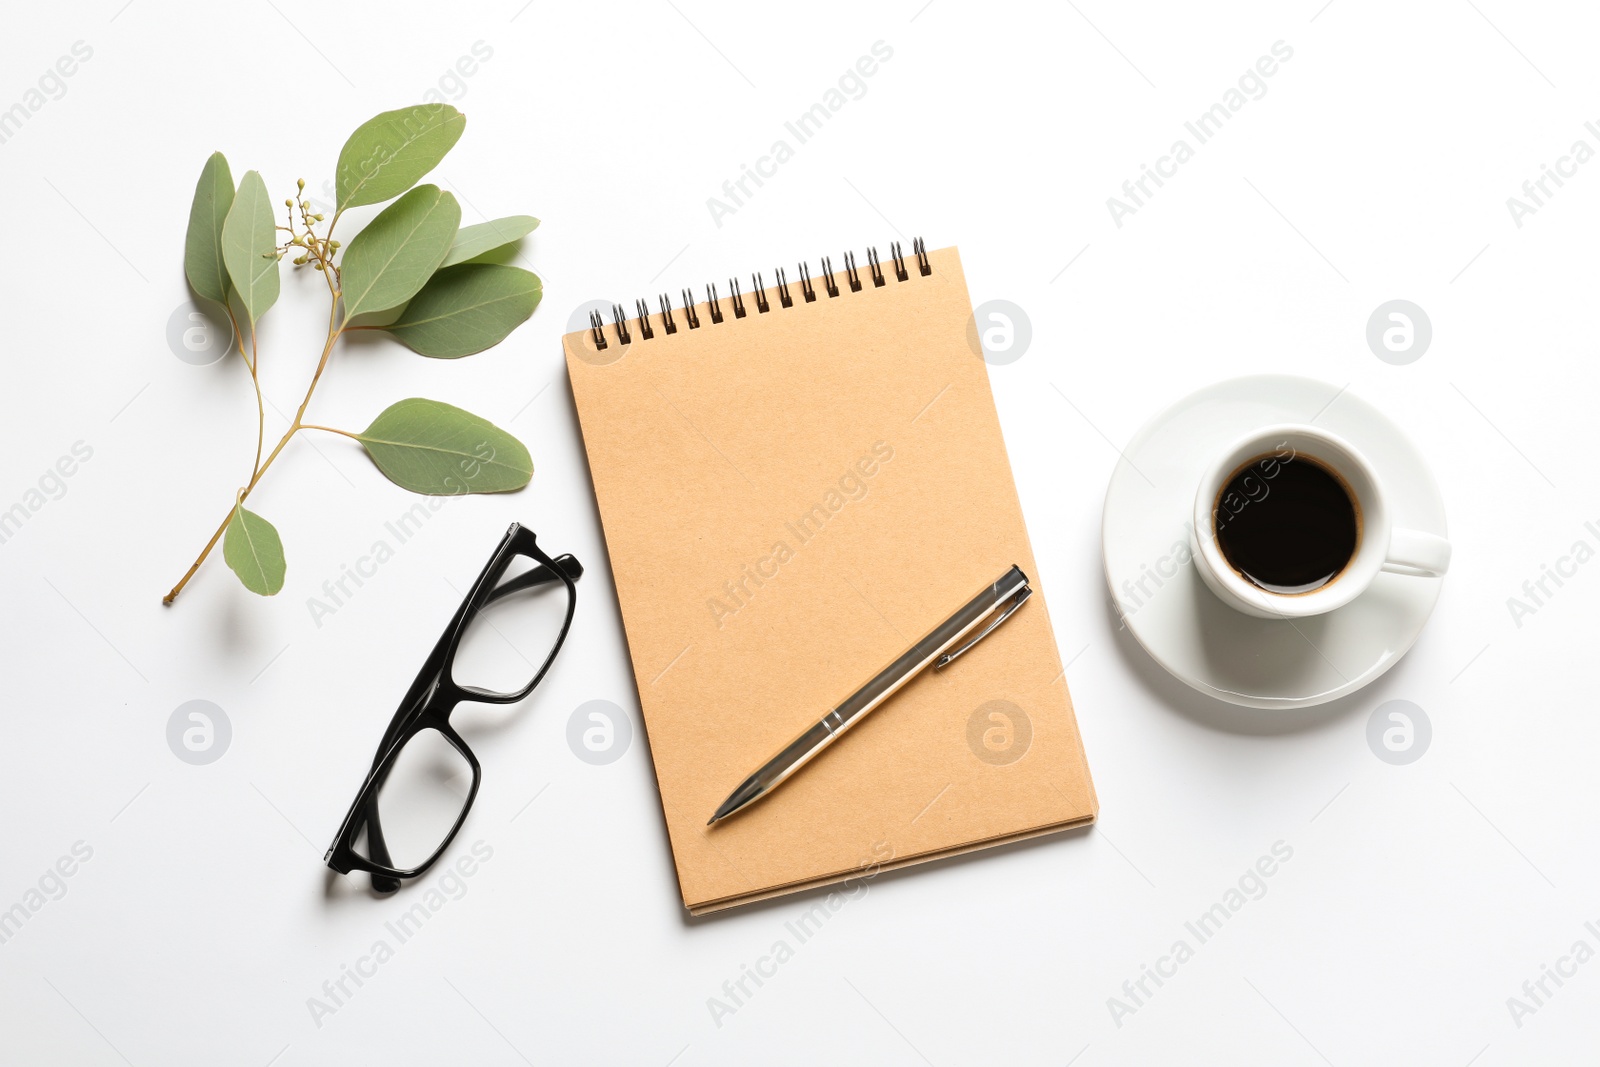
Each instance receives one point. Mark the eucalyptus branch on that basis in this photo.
(414, 263)
(261, 468)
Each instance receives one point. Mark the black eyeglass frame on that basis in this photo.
(434, 696)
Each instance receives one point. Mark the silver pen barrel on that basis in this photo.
(1011, 586)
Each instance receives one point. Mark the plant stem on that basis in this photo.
(335, 328)
(329, 429)
(252, 361)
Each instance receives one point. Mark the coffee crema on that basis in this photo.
(1288, 525)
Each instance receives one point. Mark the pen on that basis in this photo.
(1005, 595)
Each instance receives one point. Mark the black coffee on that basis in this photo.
(1287, 525)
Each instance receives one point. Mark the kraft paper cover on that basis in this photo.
(790, 499)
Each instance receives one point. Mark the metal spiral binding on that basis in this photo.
(691, 317)
(877, 270)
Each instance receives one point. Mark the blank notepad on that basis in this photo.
(790, 499)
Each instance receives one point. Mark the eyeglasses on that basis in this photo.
(424, 777)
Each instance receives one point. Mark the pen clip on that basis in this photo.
(1017, 600)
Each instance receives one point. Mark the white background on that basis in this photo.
(1377, 166)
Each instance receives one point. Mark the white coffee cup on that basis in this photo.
(1380, 546)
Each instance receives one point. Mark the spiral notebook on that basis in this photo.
(795, 483)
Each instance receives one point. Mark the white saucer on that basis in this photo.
(1259, 663)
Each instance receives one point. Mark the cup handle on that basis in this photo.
(1413, 552)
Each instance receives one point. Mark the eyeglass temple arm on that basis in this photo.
(538, 576)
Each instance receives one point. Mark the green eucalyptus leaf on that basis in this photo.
(390, 153)
(466, 309)
(474, 241)
(505, 255)
(378, 319)
(202, 246)
(432, 448)
(253, 550)
(249, 247)
(399, 250)
(236, 306)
